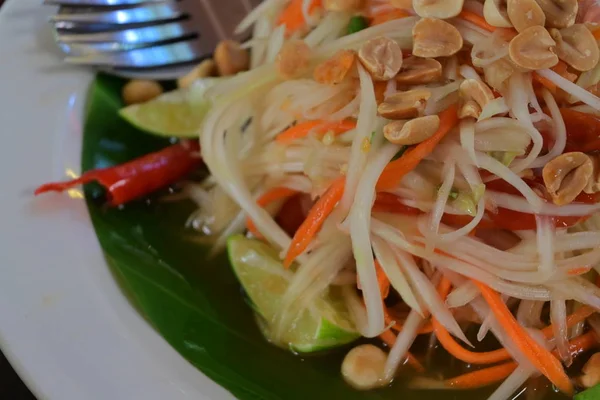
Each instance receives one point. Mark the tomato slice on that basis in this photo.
(290, 216)
(583, 131)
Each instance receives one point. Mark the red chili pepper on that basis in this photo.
(501, 219)
(138, 177)
(462, 220)
(516, 221)
(390, 203)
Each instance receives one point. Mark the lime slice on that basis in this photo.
(178, 113)
(265, 281)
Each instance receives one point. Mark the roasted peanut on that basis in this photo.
(204, 69)
(293, 59)
(591, 372)
(576, 46)
(401, 105)
(419, 71)
(412, 131)
(496, 14)
(559, 13)
(566, 176)
(344, 5)
(335, 69)
(231, 58)
(363, 367)
(140, 91)
(442, 9)
(435, 38)
(469, 109)
(497, 73)
(594, 89)
(474, 96)
(525, 13)
(593, 185)
(382, 57)
(533, 49)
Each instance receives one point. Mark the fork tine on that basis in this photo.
(149, 57)
(137, 15)
(83, 49)
(98, 3)
(133, 36)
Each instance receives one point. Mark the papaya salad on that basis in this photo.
(424, 174)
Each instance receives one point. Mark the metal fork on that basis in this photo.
(155, 39)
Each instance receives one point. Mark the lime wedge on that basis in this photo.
(265, 280)
(178, 113)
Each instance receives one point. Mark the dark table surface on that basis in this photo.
(11, 386)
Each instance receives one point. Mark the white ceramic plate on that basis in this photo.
(64, 325)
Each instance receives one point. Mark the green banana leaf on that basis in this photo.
(194, 301)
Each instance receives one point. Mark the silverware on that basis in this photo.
(150, 38)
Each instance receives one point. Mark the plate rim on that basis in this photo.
(69, 332)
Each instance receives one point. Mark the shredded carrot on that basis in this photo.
(397, 325)
(314, 220)
(388, 15)
(483, 377)
(454, 348)
(318, 127)
(382, 280)
(497, 373)
(468, 356)
(293, 17)
(561, 68)
(577, 316)
(275, 194)
(582, 343)
(477, 20)
(541, 358)
(547, 83)
(396, 170)
(389, 338)
(596, 34)
(578, 271)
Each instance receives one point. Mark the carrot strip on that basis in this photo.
(382, 280)
(541, 358)
(319, 127)
(577, 316)
(471, 357)
(582, 343)
(578, 271)
(483, 377)
(490, 375)
(397, 325)
(388, 15)
(273, 195)
(314, 220)
(293, 17)
(396, 170)
(544, 82)
(477, 20)
(389, 338)
(596, 34)
(454, 348)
